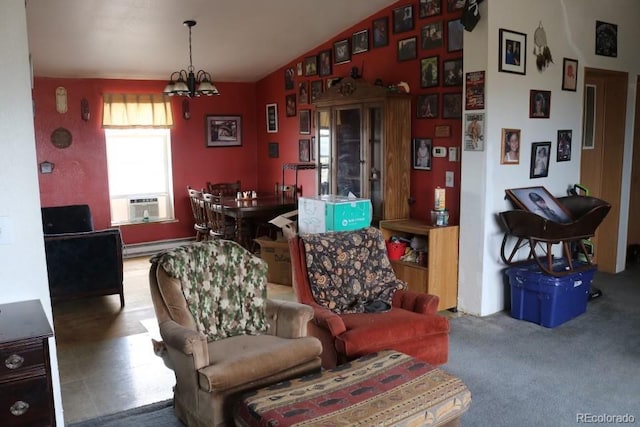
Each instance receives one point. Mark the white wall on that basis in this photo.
(570, 31)
(23, 271)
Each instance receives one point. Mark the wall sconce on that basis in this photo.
(46, 167)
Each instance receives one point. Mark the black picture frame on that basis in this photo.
(427, 106)
(274, 150)
(422, 156)
(310, 65)
(317, 87)
(540, 159)
(512, 52)
(407, 49)
(431, 36)
(427, 8)
(223, 131)
(569, 74)
(402, 19)
(289, 74)
(304, 117)
(606, 39)
(303, 92)
(452, 74)
(380, 29)
(451, 105)
(539, 104)
(360, 42)
(272, 117)
(563, 151)
(455, 5)
(429, 71)
(324, 63)
(291, 104)
(341, 51)
(455, 35)
(304, 150)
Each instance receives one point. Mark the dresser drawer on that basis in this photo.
(19, 360)
(34, 392)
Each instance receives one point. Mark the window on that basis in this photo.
(140, 179)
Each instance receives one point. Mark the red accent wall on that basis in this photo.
(80, 174)
(379, 63)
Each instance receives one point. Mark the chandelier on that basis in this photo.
(190, 83)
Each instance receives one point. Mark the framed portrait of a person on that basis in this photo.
(380, 29)
(427, 106)
(431, 35)
(564, 145)
(422, 153)
(539, 201)
(429, 72)
(539, 104)
(512, 52)
(403, 19)
(540, 157)
(569, 74)
(510, 147)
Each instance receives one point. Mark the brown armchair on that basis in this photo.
(218, 354)
(411, 325)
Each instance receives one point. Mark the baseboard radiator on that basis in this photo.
(151, 248)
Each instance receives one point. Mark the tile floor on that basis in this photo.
(112, 374)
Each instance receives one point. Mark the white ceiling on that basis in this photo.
(234, 40)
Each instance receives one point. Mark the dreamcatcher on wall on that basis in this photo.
(541, 49)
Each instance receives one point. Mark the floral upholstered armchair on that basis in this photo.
(222, 334)
(359, 305)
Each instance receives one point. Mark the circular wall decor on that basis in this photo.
(61, 138)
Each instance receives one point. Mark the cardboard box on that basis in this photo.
(288, 225)
(276, 254)
(333, 213)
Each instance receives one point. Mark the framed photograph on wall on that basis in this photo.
(422, 153)
(407, 49)
(539, 104)
(403, 19)
(288, 78)
(451, 105)
(452, 72)
(539, 167)
(564, 145)
(274, 150)
(455, 5)
(303, 92)
(341, 52)
(360, 42)
(512, 57)
(304, 150)
(272, 118)
(311, 65)
(316, 89)
(305, 122)
(223, 131)
(324, 63)
(569, 74)
(290, 104)
(429, 72)
(427, 8)
(474, 96)
(606, 39)
(474, 132)
(431, 36)
(510, 147)
(427, 107)
(380, 29)
(455, 35)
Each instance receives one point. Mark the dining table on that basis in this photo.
(260, 208)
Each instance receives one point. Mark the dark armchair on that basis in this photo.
(81, 262)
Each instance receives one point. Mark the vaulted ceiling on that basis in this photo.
(234, 40)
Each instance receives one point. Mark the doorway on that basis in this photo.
(602, 154)
(633, 229)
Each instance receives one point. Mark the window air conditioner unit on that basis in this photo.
(143, 209)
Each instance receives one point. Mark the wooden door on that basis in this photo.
(633, 230)
(601, 160)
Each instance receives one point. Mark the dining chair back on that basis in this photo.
(287, 190)
(200, 222)
(224, 188)
(219, 226)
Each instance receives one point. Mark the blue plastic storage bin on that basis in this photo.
(548, 300)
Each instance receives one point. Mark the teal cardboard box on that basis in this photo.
(332, 213)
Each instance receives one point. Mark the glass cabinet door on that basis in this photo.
(324, 152)
(375, 165)
(348, 152)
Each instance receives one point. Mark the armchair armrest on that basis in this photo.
(328, 320)
(187, 341)
(418, 302)
(288, 319)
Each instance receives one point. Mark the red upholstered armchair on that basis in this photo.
(411, 326)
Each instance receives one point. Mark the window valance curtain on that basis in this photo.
(122, 110)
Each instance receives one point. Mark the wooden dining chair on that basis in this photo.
(220, 226)
(224, 188)
(200, 222)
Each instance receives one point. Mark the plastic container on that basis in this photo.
(395, 249)
(548, 300)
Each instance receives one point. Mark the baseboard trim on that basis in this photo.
(150, 248)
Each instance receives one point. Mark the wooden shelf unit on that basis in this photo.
(440, 276)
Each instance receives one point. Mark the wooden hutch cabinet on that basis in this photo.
(363, 145)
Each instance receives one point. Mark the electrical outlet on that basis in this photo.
(448, 179)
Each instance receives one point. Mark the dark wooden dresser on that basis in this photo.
(26, 395)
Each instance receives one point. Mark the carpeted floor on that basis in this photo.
(523, 374)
